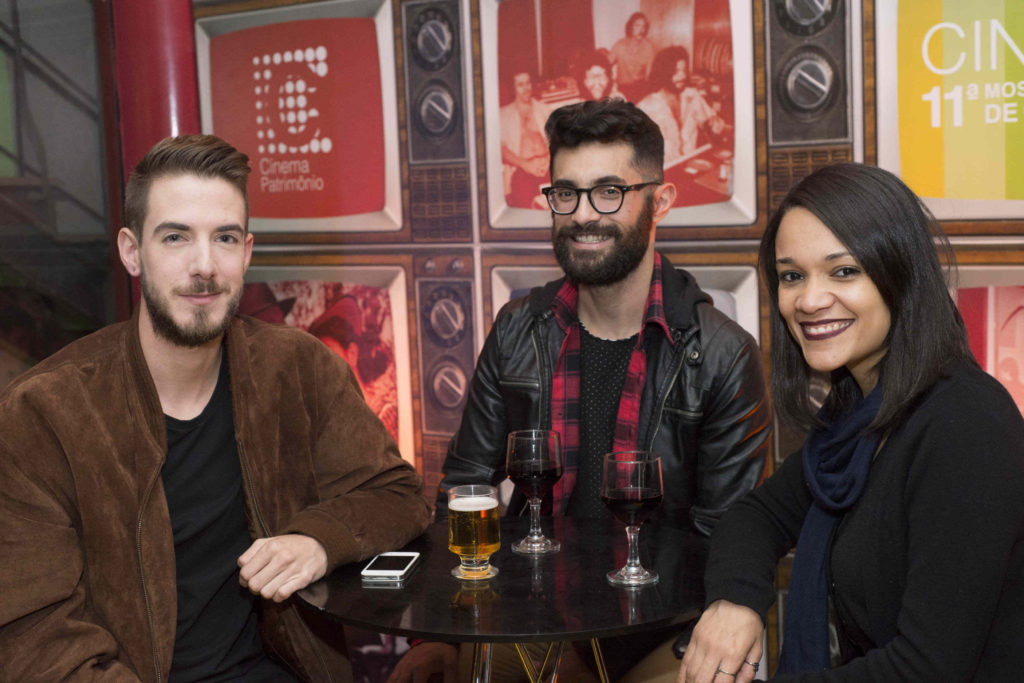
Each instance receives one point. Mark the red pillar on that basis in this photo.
(157, 90)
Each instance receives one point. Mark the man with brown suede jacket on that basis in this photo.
(170, 481)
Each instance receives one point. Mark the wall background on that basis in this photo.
(403, 265)
(415, 204)
(798, 88)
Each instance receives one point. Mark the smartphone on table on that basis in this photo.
(389, 569)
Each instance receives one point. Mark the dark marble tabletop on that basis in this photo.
(564, 596)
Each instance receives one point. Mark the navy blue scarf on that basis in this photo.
(836, 461)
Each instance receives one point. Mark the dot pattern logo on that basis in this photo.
(293, 111)
(303, 99)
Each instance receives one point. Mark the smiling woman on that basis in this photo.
(832, 308)
(858, 296)
(859, 223)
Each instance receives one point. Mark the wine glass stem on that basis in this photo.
(535, 519)
(633, 560)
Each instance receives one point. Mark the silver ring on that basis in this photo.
(720, 670)
(753, 665)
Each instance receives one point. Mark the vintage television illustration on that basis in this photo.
(950, 83)
(731, 281)
(436, 69)
(814, 82)
(448, 343)
(991, 300)
(309, 91)
(699, 52)
(729, 277)
(357, 305)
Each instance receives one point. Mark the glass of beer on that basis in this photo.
(473, 532)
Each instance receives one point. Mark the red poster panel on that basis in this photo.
(994, 317)
(1008, 330)
(303, 99)
(688, 63)
(673, 60)
(353, 320)
(973, 305)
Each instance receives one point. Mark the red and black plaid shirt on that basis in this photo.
(565, 384)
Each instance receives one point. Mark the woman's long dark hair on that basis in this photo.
(895, 239)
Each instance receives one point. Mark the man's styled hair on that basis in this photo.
(895, 239)
(206, 156)
(633, 18)
(517, 72)
(588, 61)
(608, 121)
(664, 66)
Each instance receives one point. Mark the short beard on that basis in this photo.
(202, 331)
(625, 256)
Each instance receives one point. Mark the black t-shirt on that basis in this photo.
(603, 366)
(217, 637)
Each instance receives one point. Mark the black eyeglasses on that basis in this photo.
(604, 198)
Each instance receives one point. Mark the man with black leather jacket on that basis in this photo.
(704, 411)
(702, 407)
(625, 352)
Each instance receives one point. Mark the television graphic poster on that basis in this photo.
(961, 74)
(353, 320)
(950, 105)
(995, 329)
(303, 99)
(673, 59)
(688, 63)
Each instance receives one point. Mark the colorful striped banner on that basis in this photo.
(961, 98)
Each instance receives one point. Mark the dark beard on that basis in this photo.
(202, 330)
(625, 255)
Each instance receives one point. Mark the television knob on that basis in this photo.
(448, 385)
(808, 83)
(436, 110)
(445, 317)
(805, 17)
(432, 39)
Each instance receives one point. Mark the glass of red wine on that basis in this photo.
(631, 488)
(534, 464)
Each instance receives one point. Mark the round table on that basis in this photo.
(559, 597)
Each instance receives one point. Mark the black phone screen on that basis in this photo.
(390, 563)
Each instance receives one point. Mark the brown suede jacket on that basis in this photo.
(87, 575)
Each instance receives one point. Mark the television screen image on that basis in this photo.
(733, 288)
(303, 98)
(687, 64)
(308, 91)
(949, 81)
(359, 312)
(995, 329)
(352, 320)
(514, 281)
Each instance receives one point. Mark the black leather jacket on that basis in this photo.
(704, 407)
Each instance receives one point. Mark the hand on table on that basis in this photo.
(424, 660)
(278, 566)
(726, 640)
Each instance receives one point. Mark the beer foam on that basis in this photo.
(473, 504)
